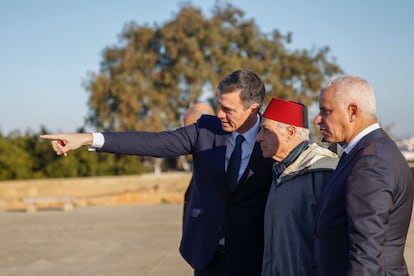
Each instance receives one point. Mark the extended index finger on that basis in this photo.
(51, 137)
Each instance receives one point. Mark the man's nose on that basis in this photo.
(259, 136)
(317, 120)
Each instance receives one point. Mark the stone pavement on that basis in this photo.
(106, 240)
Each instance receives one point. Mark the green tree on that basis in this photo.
(25, 156)
(158, 71)
(15, 163)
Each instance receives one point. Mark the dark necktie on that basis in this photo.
(234, 163)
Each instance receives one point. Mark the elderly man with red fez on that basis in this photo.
(299, 171)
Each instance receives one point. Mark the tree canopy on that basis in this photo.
(156, 72)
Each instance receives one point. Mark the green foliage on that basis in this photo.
(14, 161)
(27, 156)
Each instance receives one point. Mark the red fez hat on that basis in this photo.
(287, 112)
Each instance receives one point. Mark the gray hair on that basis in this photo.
(350, 89)
(301, 132)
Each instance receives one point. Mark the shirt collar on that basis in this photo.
(360, 135)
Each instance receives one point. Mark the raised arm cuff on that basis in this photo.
(98, 141)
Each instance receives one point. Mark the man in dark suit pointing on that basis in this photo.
(223, 225)
(364, 210)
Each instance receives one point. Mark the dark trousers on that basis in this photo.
(216, 267)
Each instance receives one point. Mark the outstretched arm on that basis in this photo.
(64, 142)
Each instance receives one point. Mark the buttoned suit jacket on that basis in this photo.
(364, 211)
(213, 211)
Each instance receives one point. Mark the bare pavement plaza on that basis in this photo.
(101, 240)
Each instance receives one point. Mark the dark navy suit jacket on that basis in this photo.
(213, 210)
(364, 211)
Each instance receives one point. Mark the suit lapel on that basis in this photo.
(328, 185)
(340, 172)
(221, 154)
(250, 169)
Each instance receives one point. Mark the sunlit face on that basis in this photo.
(234, 116)
(272, 140)
(333, 118)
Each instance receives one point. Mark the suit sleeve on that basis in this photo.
(161, 144)
(369, 200)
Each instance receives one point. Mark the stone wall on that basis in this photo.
(147, 188)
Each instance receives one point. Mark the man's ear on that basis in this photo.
(254, 108)
(291, 130)
(352, 111)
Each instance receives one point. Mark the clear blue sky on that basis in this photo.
(47, 48)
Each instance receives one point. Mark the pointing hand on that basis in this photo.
(64, 142)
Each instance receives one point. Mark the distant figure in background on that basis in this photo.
(364, 210)
(195, 112)
(299, 171)
(190, 117)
